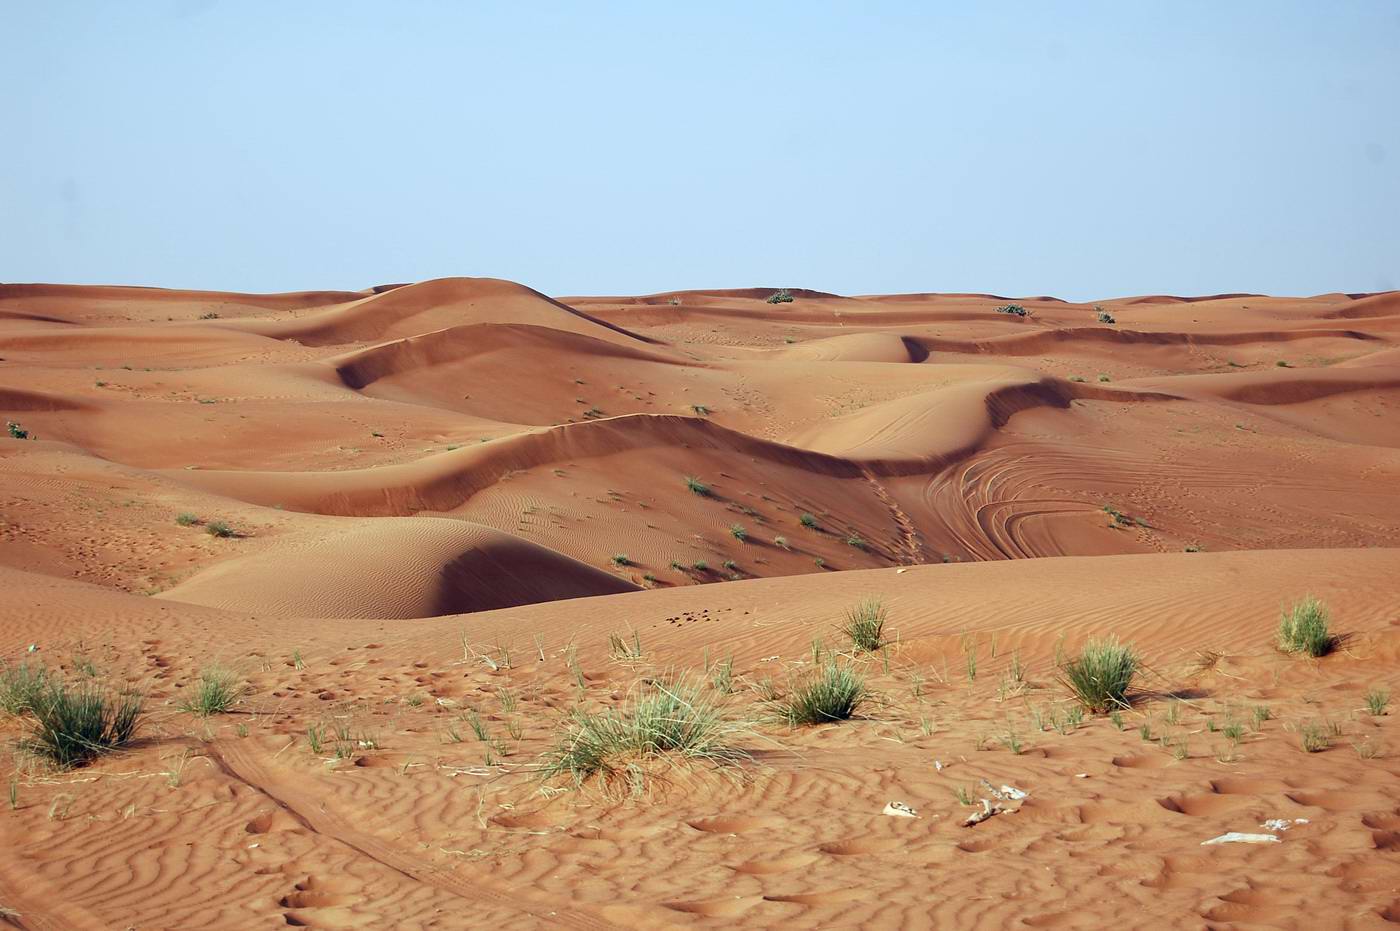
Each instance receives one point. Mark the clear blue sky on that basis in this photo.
(1076, 149)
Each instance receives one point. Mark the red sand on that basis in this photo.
(421, 476)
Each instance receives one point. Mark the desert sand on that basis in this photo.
(442, 500)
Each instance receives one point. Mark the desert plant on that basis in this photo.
(1014, 309)
(697, 487)
(700, 566)
(1376, 701)
(21, 686)
(780, 542)
(16, 431)
(865, 625)
(780, 297)
(186, 519)
(658, 719)
(72, 724)
(832, 694)
(218, 528)
(700, 409)
(621, 559)
(1303, 628)
(621, 649)
(808, 521)
(216, 692)
(855, 540)
(1104, 378)
(1101, 675)
(1104, 316)
(1314, 738)
(738, 532)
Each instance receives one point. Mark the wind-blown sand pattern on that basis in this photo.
(444, 497)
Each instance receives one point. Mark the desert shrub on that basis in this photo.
(621, 559)
(1101, 675)
(72, 724)
(832, 694)
(865, 625)
(20, 687)
(696, 486)
(856, 540)
(16, 431)
(659, 719)
(700, 409)
(781, 297)
(1104, 316)
(808, 521)
(1014, 309)
(700, 565)
(1104, 378)
(1314, 738)
(1377, 700)
(780, 542)
(1303, 628)
(219, 528)
(216, 692)
(738, 532)
(186, 519)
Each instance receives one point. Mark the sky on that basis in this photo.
(1077, 149)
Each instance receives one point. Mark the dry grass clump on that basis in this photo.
(1101, 675)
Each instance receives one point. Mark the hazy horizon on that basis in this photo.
(1082, 151)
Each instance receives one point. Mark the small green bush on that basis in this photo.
(1015, 310)
(218, 528)
(834, 693)
(186, 519)
(856, 541)
(1303, 628)
(865, 625)
(16, 431)
(781, 297)
(808, 521)
(1377, 700)
(1101, 675)
(1104, 316)
(71, 725)
(216, 691)
(659, 719)
(697, 487)
(621, 559)
(738, 532)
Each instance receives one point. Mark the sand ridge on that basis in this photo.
(443, 499)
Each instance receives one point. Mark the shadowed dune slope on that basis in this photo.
(397, 568)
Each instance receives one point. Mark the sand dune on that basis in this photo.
(414, 567)
(427, 524)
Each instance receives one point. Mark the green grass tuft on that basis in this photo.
(186, 519)
(1101, 675)
(70, 725)
(660, 719)
(697, 487)
(832, 694)
(217, 691)
(20, 687)
(1303, 628)
(865, 625)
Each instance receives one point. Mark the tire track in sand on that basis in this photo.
(310, 811)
